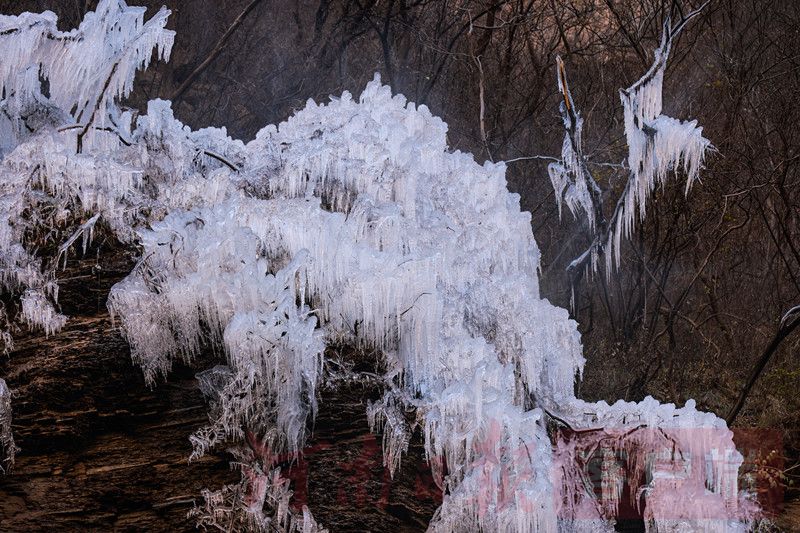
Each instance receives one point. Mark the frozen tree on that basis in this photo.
(353, 222)
(657, 146)
(85, 71)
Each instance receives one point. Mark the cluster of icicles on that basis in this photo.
(658, 147)
(353, 222)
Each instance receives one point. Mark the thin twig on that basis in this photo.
(531, 157)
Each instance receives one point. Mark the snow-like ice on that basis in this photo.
(350, 222)
(658, 146)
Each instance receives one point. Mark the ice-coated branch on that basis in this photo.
(571, 178)
(98, 103)
(84, 232)
(657, 146)
(572, 181)
(388, 416)
(239, 508)
(668, 35)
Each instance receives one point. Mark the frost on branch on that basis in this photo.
(570, 177)
(658, 145)
(239, 508)
(389, 417)
(7, 447)
(45, 187)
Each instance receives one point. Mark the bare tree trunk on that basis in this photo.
(789, 322)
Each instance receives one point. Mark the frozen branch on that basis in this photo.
(657, 145)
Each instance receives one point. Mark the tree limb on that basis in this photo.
(214, 52)
(97, 105)
(788, 323)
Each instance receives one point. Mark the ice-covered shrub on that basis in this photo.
(45, 186)
(354, 222)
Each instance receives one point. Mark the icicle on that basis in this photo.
(657, 144)
(571, 180)
(388, 416)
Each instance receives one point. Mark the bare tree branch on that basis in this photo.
(217, 50)
(788, 324)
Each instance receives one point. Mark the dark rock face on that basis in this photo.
(342, 477)
(102, 452)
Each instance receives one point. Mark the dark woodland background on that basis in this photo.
(699, 296)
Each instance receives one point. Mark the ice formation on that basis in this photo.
(658, 145)
(44, 184)
(352, 222)
(258, 490)
(570, 177)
